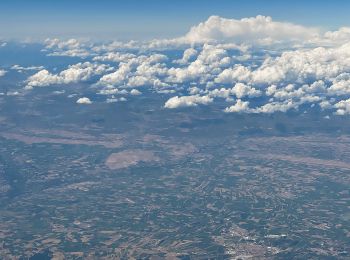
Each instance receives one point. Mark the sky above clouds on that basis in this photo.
(140, 20)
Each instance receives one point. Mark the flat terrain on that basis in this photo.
(180, 191)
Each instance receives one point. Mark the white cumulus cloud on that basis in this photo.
(254, 30)
(187, 101)
(2, 72)
(84, 100)
(240, 106)
(74, 73)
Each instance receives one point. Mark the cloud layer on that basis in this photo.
(253, 65)
(257, 30)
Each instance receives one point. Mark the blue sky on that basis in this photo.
(136, 19)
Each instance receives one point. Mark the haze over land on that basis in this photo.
(229, 141)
